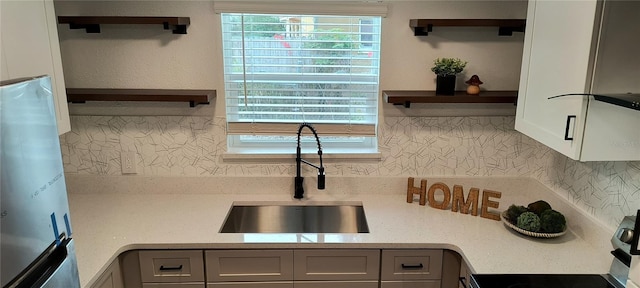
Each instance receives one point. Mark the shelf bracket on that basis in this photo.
(508, 31)
(406, 104)
(423, 31)
(175, 29)
(194, 103)
(89, 28)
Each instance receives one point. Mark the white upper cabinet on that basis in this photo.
(581, 47)
(30, 47)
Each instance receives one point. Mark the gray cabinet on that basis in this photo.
(411, 268)
(336, 284)
(173, 285)
(281, 268)
(172, 268)
(274, 284)
(318, 268)
(110, 278)
(230, 268)
(308, 268)
(465, 276)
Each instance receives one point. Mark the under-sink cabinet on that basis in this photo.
(313, 268)
(316, 268)
(285, 268)
(248, 268)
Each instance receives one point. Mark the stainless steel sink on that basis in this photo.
(289, 218)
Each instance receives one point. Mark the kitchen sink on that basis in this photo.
(292, 218)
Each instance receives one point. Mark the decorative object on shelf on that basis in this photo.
(446, 70)
(474, 85)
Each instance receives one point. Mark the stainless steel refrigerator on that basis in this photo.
(36, 245)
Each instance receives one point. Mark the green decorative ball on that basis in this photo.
(529, 221)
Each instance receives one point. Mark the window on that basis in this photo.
(282, 70)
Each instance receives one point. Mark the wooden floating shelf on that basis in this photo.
(91, 24)
(194, 97)
(406, 97)
(506, 27)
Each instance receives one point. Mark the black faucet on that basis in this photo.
(299, 189)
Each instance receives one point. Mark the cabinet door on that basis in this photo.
(336, 264)
(249, 265)
(465, 276)
(411, 284)
(111, 278)
(177, 266)
(336, 284)
(403, 265)
(285, 284)
(173, 285)
(557, 59)
(30, 47)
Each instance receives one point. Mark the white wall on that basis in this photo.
(145, 56)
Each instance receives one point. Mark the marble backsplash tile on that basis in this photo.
(410, 146)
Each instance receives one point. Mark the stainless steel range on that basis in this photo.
(616, 278)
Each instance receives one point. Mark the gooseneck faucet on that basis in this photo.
(299, 189)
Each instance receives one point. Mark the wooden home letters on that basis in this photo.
(458, 203)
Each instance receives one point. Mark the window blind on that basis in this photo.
(281, 70)
(332, 7)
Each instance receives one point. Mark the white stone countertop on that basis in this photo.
(105, 224)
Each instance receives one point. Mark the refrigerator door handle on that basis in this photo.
(635, 242)
(42, 269)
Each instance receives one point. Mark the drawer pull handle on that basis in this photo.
(419, 266)
(170, 268)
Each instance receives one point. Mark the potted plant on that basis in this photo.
(446, 70)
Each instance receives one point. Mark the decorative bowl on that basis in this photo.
(508, 223)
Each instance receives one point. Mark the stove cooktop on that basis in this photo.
(540, 281)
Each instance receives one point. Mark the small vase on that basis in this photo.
(474, 85)
(446, 85)
(473, 90)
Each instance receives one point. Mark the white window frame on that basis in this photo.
(352, 144)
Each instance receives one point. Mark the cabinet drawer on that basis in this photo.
(249, 265)
(337, 284)
(285, 284)
(411, 284)
(171, 266)
(411, 264)
(330, 264)
(173, 285)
